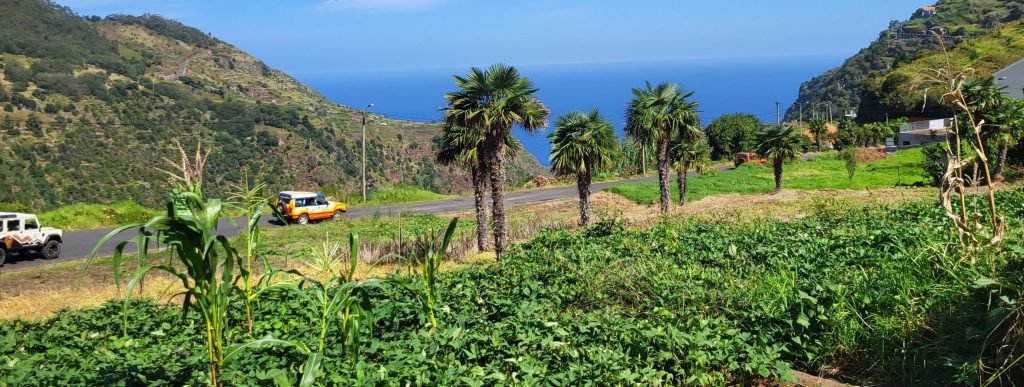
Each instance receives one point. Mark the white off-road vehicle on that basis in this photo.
(21, 233)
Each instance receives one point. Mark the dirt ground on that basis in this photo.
(40, 292)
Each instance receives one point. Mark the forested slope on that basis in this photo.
(91, 107)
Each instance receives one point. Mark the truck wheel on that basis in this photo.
(336, 216)
(3, 256)
(304, 219)
(51, 250)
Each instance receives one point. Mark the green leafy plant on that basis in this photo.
(252, 200)
(340, 301)
(423, 265)
(189, 228)
(849, 155)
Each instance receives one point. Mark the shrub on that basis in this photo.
(934, 164)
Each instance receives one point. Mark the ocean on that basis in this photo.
(721, 86)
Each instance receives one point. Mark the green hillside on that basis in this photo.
(90, 107)
(876, 82)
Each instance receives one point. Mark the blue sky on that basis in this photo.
(323, 36)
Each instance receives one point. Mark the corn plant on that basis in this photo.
(423, 265)
(340, 300)
(252, 201)
(189, 228)
(950, 79)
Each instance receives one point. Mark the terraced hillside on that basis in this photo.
(89, 103)
(878, 81)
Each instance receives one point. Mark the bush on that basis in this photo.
(14, 207)
(935, 161)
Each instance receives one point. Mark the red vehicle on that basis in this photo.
(746, 157)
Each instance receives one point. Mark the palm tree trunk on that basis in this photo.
(663, 173)
(1000, 162)
(496, 170)
(583, 180)
(777, 166)
(479, 187)
(681, 180)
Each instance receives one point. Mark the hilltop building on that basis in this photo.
(915, 134)
(928, 11)
(1011, 80)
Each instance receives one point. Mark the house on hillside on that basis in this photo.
(1011, 80)
(918, 133)
(928, 11)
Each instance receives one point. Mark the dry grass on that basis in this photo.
(39, 293)
(36, 293)
(786, 205)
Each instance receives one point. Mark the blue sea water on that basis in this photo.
(721, 86)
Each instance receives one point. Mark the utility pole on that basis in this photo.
(778, 114)
(800, 121)
(830, 112)
(363, 169)
(643, 160)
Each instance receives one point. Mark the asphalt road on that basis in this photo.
(79, 244)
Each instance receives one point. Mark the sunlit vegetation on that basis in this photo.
(703, 304)
(823, 172)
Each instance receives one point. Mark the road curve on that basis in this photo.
(79, 244)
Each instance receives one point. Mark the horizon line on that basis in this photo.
(569, 63)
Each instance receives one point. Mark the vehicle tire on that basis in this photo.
(336, 216)
(3, 256)
(51, 250)
(304, 219)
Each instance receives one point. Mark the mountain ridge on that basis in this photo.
(876, 83)
(91, 104)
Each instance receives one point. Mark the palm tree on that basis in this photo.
(1005, 132)
(580, 145)
(462, 146)
(686, 155)
(983, 96)
(653, 116)
(778, 145)
(819, 129)
(494, 100)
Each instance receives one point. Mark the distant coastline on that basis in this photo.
(722, 85)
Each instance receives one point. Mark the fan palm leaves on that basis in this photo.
(582, 144)
(493, 101)
(687, 154)
(1006, 131)
(654, 116)
(819, 129)
(777, 145)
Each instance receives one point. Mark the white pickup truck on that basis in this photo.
(21, 233)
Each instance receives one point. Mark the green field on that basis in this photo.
(85, 216)
(823, 172)
(397, 194)
(881, 296)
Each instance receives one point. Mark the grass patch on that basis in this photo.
(823, 172)
(86, 216)
(398, 194)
